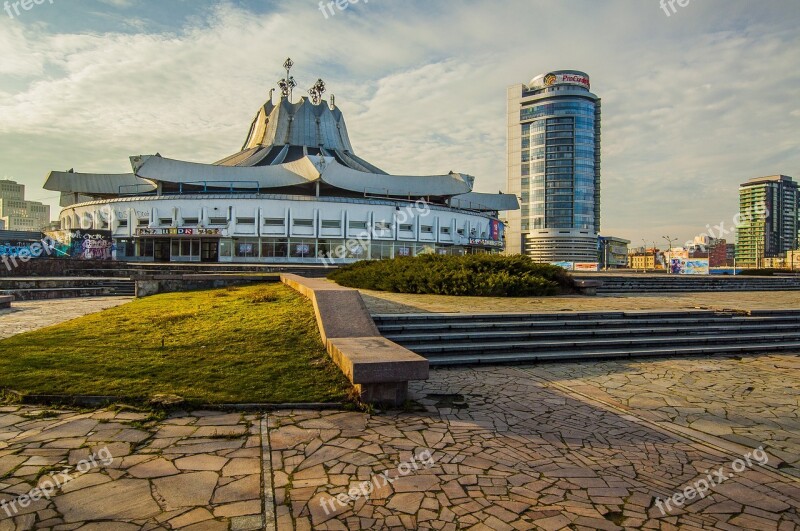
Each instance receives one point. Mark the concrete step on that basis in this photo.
(551, 316)
(409, 339)
(508, 357)
(432, 348)
(570, 326)
(43, 289)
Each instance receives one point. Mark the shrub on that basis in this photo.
(760, 272)
(481, 275)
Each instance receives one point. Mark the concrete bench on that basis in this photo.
(5, 301)
(378, 368)
(588, 287)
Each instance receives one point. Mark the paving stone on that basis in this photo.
(125, 499)
(186, 490)
(201, 462)
(153, 469)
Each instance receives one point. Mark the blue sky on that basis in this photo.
(693, 103)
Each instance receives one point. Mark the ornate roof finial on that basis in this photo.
(316, 92)
(288, 83)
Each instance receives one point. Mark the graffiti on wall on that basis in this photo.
(83, 244)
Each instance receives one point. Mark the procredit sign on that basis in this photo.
(563, 79)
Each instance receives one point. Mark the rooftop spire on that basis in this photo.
(288, 83)
(316, 92)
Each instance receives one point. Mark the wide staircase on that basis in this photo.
(26, 289)
(464, 339)
(613, 284)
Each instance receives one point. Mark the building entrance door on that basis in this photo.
(161, 250)
(209, 251)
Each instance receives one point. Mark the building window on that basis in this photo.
(191, 221)
(274, 248)
(444, 230)
(246, 221)
(426, 229)
(357, 225)
(331, 224)
(406, 228)
(274, 222)
(165, 221)
(303, 222)
(143, 222)
(217, 221)
(382, 225)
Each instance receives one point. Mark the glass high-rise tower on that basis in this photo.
(554, 168)
(769, 219)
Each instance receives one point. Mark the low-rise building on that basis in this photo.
(18, 214)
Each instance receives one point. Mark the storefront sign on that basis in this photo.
(180, 231)
(485, 242)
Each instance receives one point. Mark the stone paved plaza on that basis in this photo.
(379, 302)
(573, 446)
(26, 316)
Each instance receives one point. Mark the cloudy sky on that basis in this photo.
(693, 103)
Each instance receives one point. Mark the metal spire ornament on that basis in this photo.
(288, 83)
(317, 91)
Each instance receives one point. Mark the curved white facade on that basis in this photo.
(276, 229)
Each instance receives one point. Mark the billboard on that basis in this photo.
(689, 266)
(563, 79)
(586, 266)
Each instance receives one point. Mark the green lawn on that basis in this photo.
(250, 344)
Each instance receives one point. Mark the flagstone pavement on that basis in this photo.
(575, 446)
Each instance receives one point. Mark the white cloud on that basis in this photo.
(692, 104)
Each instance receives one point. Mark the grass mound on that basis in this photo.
(250, 344)
(480, 275)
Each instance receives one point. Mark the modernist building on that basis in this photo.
(612, 252)
(295, 192)
(554, 167)
(769, 210)
(16, 213)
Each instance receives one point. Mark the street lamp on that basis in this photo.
(669, 253)
(644, 248)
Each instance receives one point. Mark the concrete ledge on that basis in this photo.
(341, 312)
(378, 368)
(5, 301)
(369, 360)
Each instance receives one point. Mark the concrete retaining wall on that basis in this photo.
(153, 285)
